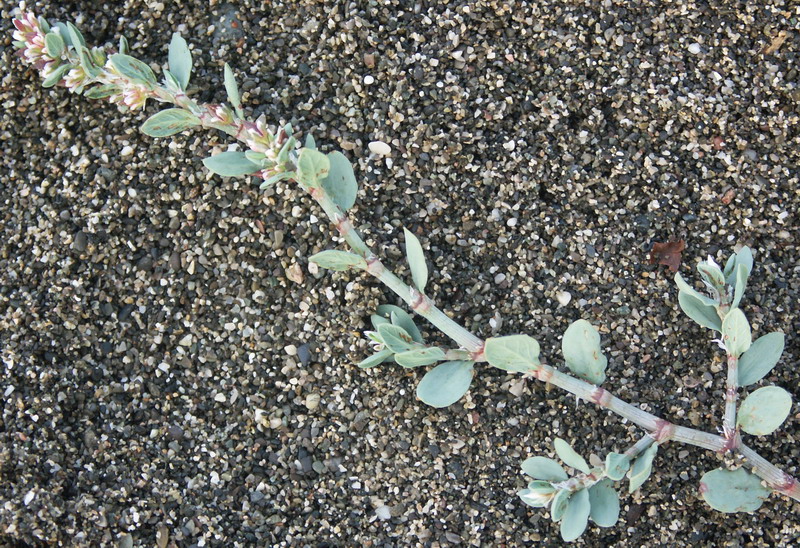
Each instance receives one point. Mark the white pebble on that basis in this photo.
(220, 398)
(186, 341)
(383, 512)
(126, 151)
(563, 298)
(369, 79)
(380, 148)
(290, 349)
(694, 48)
(510, 145)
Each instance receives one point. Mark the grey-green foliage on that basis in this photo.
(604, 501)
(416, 260)
(513, 353)
(736, 333)
(764, 410)
(312, 167)
(340, 183)
(641, 468)
(169, 122)
(760, 358)
(732, 491)
(617, 464)
(231, 88)
(582, 352)
(576, 515)
(542, 468)
(389, 314)
(180, 60)
(446, 383)
(133, 69)
(333, 259)
(570, 457)
(231, 164)
(417, 357)
(396, 338)
(54, 44)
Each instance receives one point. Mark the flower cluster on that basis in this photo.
(29, 36)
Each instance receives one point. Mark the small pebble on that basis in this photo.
(380, 148)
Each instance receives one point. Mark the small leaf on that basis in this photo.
(378, 320)
(133, 69)
(376, 359)
(760, 358)
(172, 83)
(701, 313)
(63, 31)
(733, 491)
(86, 62)
(560, 502)
(400, 317)
(396, 338)
(75, 36)
(538, 494)
(542, 468)
(642, 467)
(231, 164)
(340, 184)
(686, 288)
(101, 92)
(741, 284)
(571, 458)
(180, 60)
(231, 87)
(582, 352)
(764, 410)
(668, 254)
(420, 357)
(513, 353)
(445, 384)
(617, 465)
(333, 259)
(743, 257)
(274, 178)
(312, 167)
(123, 45)
(54, 44)
(56, 76)
(604, 501)
(576, 516)
(711, 273)
(736, 332)
(310, 143)
(416, 260)
(169, 122)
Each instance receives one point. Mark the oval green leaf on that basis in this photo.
(760, 358)
(733, 491)
(180, 60)
(560, 502)
(736, 332)
(445, 384)
(642, 467)
(538, 494)
(333, 259)
(419, 357)
(764, 410)
(513, 353)
(312, 167)
(340, 184)
(576, 516)
(231, 164)
(582, 352)
(396, 338)
(169, 122)
(56, 76)
(617, 465)
(416, 260)
(604, 501)
(542, 468)
(686, 288)
(376, 359)
(570, 457)
(741, 284)
(101, 92)
(231, 87)
(54, 44)
(703, 314)
(400, 317)
(133, 69)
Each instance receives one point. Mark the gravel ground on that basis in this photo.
(175, 374)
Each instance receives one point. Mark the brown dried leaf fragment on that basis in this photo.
(777, 42)
(668, 254)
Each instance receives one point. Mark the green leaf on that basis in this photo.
(169, 122)
(274, 178)
(396, 338)
(642, 467)
(376, 359)
(340, 184)
(401, 318)
(617, 465)
(686, 288)
(333, 259)
(123, 45)
(231, 164)
(582, 352)
(538, 494)
(54, 44)
(741, 284)
(419, 357)
(133, 69)
(416, 260)
(283, 154)
(231, 87)
(701, 313)
(567, 454)
(180, 60)
(172, 83)
(604, 501)
(56, 76)
(445, 384)
(75, 36)
(764, 410)
(736, 332)
(86, 62)
(377, 320)
(733, 491)
(760, 358)
(744, 257)
(711, 273)
(576, 516)
(513, 353)
(63, 31)
(560, 502)
(542, 468)
(101, 92)
(312, 167)
(310, 143)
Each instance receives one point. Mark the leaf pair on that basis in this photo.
(332, 172)
(389, 314)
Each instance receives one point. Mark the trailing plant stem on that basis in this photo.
(731, 394)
